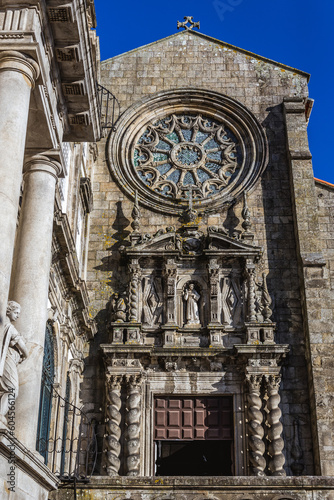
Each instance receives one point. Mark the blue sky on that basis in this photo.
(298, 33)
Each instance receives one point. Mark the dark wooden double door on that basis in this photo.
(193, 435)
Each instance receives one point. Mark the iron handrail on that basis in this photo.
(108, 107)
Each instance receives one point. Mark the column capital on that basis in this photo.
(11, 60)
(40, 163)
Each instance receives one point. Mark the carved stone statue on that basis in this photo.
(14, 351)
(118, 308)
(191, 297)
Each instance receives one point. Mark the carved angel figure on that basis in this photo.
(14, 351)
(192, 297)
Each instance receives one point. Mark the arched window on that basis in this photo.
(45, 404)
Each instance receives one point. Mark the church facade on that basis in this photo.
(167, 294)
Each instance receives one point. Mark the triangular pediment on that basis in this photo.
(193, 242)
(214, 43)
(218, 240)
(155, 243)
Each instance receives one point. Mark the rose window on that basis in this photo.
(180, 151)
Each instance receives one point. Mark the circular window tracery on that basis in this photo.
(184, 141)
(179, 151)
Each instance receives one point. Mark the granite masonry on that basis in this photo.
(166, 270)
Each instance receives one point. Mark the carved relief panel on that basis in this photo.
(152, 300)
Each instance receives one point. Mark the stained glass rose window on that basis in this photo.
(187, 143)
(185, 150)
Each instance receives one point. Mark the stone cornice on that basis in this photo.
(63, 51)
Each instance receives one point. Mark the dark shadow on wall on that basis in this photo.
(93, 391)
(284, 288)
(232, 221)
(114, 262)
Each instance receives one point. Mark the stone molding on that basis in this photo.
(11, 60)
(279, 486)
(40, 163)
(29, 463)
(235, 116)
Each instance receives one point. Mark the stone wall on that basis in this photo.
(204, 488)
(323, 312)
(192, 60)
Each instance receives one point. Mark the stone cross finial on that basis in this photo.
(187, 19)
(246, 215)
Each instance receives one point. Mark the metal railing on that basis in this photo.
(108, 107)
(70, 447)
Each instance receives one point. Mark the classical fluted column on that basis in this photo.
(255, 426)
(275, 427)
(18, 74)
(133, 416)
(113, 425)
(30, 283)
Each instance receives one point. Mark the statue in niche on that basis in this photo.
(191, 298)
(14, 351)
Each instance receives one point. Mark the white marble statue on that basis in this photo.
(13, 352)
(191, 297)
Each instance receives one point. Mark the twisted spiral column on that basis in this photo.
(275, 427)
(133, 425)
(255, 426)
(113, 428)
(251, 294)
(134, 297)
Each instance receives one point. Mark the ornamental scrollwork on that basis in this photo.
(179, 151)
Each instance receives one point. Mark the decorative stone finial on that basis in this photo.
(187, 19)
(246, 215)
(136, 215)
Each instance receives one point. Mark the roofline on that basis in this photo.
(324, 183)
(220, 42)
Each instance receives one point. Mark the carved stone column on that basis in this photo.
(133, 417)
(113, 425)
(213, 269)
(250, 271)
(170, 276)
(275, 427)
(255, 426)
(18, 74)
(30, 283)
(134, 292)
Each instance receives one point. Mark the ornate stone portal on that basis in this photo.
(196, 302)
